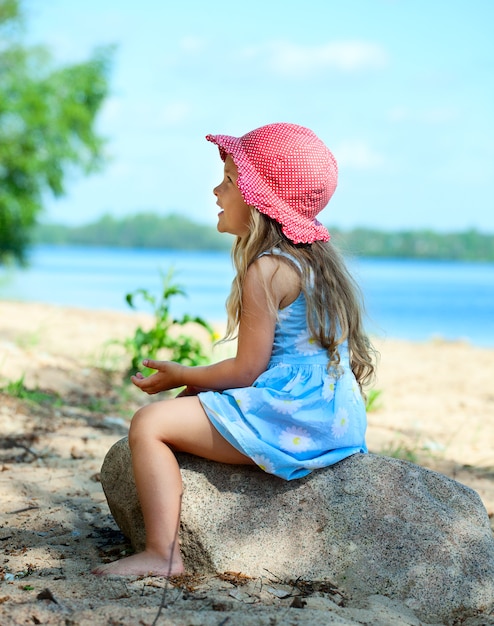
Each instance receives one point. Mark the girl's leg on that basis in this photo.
(157, 429)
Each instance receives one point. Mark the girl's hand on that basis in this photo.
(167, 376)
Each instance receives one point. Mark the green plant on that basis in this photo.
(371, 403)
(17, 389)
(147, 344)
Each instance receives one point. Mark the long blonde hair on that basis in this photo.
(334, 301)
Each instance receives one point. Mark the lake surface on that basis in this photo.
(408, 299)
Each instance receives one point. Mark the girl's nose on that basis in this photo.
(215, 190)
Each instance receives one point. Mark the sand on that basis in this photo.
(435, 407)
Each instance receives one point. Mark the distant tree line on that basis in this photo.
(148, 230)
(470, 245)
(143, 230)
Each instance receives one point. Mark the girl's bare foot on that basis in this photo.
(142, 564)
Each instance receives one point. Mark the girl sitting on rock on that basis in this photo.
(290, 400)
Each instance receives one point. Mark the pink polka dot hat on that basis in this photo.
(287, 173)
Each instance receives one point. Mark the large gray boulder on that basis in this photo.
(370, 524)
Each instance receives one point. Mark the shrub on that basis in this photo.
(162, 338)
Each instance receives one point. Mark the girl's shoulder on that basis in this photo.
(280, 277)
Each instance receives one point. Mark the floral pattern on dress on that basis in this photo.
(340, 423)
(264, 463)
(307, 345)
(242, 398)
(328, 388)
(294, 439)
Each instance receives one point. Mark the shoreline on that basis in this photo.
(9, 304)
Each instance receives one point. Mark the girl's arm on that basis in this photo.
(255, 339)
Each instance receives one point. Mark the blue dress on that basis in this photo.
(296, 416)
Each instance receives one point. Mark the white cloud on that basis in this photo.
(345, 56)
(357, 154)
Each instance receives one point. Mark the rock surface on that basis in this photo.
(372, 525)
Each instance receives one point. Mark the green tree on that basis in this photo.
(47, 117)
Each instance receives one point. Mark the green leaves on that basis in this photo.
(47, 118)
(164, 339)
(372, 401)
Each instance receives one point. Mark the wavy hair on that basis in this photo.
(334, 301)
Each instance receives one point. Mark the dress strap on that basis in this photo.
(278, 252)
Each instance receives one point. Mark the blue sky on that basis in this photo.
(402, 91)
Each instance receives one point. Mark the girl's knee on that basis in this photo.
(142, 424)
(167, 421)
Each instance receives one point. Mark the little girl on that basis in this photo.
(290, 400)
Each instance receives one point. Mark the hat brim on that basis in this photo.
(259, 194)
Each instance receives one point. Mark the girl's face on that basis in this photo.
(234, 217)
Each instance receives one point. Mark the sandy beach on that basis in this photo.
(435, 407)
